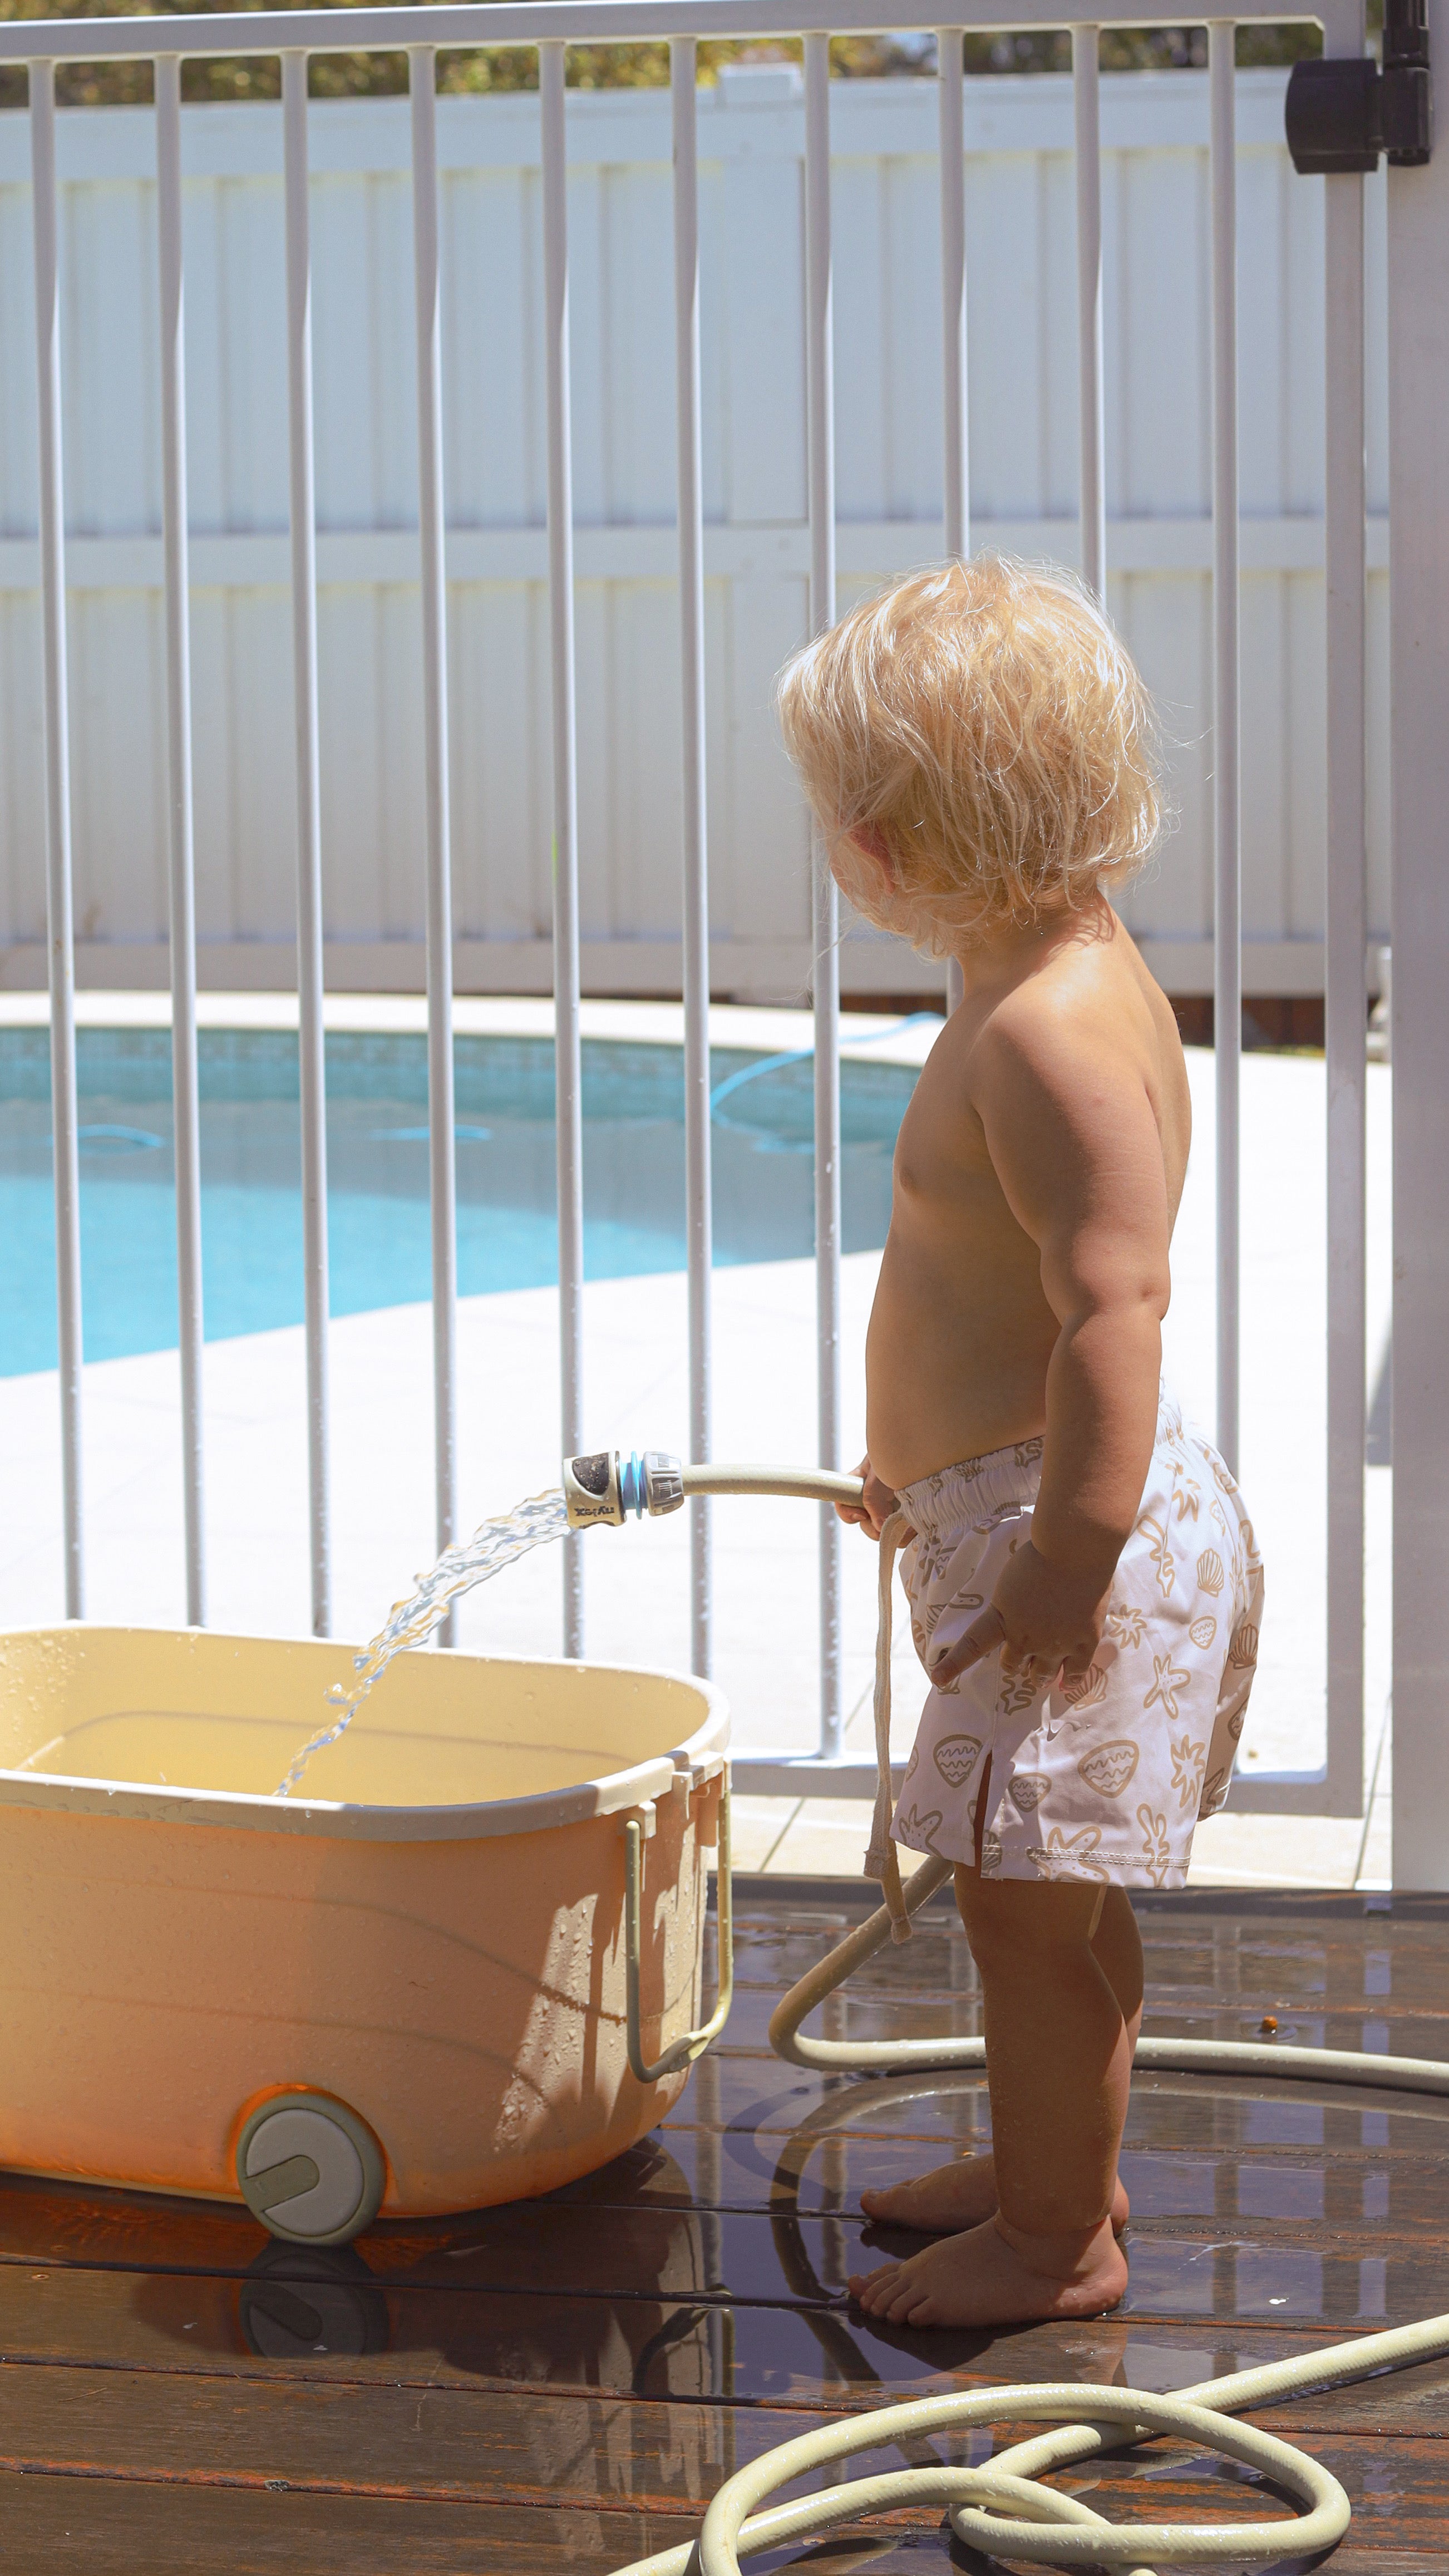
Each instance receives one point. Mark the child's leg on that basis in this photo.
(1059, 2058)
(961, 2194)
(1117, 1949)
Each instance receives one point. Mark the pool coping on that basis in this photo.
(864, 1036)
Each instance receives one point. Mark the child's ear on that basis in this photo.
(868, 839)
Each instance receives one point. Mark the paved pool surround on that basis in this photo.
(764, 1406)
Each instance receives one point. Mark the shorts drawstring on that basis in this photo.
(882, 1861)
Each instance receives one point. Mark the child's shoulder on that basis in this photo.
(1088, 1006)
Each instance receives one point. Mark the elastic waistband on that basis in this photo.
(956, 1496)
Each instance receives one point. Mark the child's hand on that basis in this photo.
(1051, 1613)
(875, 1506)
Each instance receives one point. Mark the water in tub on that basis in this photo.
(498, 1543)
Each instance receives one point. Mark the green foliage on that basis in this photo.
(514, 67)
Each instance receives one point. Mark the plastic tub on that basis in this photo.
(401, 1989)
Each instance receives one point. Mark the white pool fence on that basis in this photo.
(1416, 397)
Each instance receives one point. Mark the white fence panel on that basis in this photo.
(1021, 253)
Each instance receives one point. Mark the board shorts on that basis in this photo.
(1103, 1778)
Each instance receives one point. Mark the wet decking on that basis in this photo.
(562, 2384)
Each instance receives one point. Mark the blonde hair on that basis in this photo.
(984, 726)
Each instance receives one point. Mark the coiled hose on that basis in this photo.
(1001, 2508)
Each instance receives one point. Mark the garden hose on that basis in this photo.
(1000, 2508)
(948, 2052)
(606, 1486)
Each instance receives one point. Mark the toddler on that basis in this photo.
(977, 747)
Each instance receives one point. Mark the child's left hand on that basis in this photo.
(1052, 1614)
(1050, 1621)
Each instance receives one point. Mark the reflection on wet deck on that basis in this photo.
(563, 2381)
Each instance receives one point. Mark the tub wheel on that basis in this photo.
(310, 2169)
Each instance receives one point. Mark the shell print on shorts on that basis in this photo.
(1168, 1679)
(963, 1601)
(1202, 1632)
(1187, 1770)
(1161, 1552)
(932, 1556)
(956, 1757)
(1085, 1690)
(1026, 1790)
(1109, 1769)
(1127, 1627)
(1156, 1849)
(1069, 1855)
(919, 1829)
(1018, 1691)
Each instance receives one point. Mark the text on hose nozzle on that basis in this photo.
(604, 1486)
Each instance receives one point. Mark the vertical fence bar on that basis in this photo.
(1087, 122)
(1418, 310)
(1227, 865)
(442, 1181)
(567, 1059)
(311, 1045)
(181, 845)
(60, 936)
(1345, 994)
(682, 75)
(820, 434)
(950, 79)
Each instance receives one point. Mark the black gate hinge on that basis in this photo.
(1340, 115)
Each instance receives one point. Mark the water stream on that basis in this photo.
(498, 1543)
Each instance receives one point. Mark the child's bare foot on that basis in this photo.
(992, 2276)
(952, 2197)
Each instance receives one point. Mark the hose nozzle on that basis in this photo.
(605, 1486)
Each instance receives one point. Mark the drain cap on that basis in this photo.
(310, 2169)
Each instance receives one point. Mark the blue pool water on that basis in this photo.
(377, 1208)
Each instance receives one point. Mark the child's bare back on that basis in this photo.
(975, 745)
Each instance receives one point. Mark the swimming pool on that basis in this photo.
(377, 1206)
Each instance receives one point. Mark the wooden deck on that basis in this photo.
(560, 2385)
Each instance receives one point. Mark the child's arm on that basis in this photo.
(1075, 1145)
